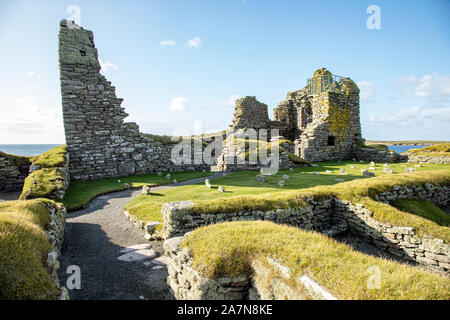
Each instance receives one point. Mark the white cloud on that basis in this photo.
(30, 121)
(195, 42)
(231, 102)
(427, 86)
(168, 43)
(417, 122)
(178, 104)
(33, 74)
(366, 90)
(107, 65)
(414, 116)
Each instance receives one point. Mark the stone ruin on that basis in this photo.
(98, 140)
(322, 118)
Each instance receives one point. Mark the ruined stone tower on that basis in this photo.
(323, 118)
(99, 142)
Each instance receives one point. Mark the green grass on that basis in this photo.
(52, 158)
(245, 193)
(425, 209)
(80, 193)
(23, 251)
(228, 250)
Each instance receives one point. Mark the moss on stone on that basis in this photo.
(43, 183)
(52, 158)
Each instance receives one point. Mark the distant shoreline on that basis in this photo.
(406, 142)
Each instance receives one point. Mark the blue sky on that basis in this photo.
(180, 64)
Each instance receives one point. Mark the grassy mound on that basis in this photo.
(377, 146)
(437, 150)
(228, 249)
(52, 158)
(23, 251)
(81, 193)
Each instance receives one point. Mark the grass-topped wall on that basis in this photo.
(24, 247)
(49, 177)
(230, 250)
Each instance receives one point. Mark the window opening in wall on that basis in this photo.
(331, 141)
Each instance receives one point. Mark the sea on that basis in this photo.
(400, 149)
(26, 149)
(37, 149)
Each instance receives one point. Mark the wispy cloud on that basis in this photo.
(410, 123)
(231, 102)
(168, 43)
(414, 116)
(33, 74)
(30, 120)
(105, 66)
(195, 42)
(178, 104)
(426, 86)
(366, 90)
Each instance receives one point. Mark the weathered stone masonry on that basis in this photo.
(333, 216)
(98, 140)
(13, 171)
(271, 279)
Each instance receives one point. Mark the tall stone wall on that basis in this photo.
(98, 140)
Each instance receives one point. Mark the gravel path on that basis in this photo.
(94, 239)
(7, 196)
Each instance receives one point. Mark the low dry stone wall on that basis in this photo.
(370, 154)
(55, 235)
(400, 241)
(60, 184)
(13, 171)
(428, 159)
(269, 280)
(178, 220)
(334, 216)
